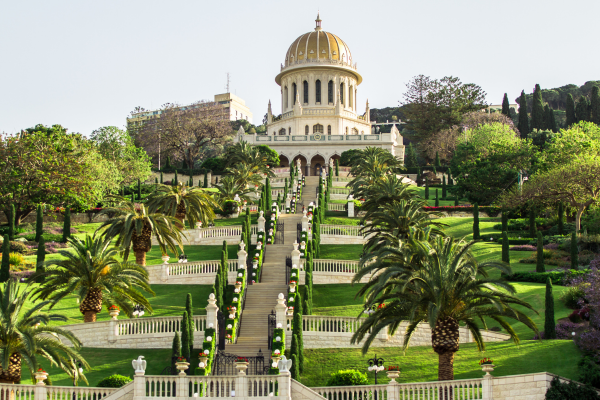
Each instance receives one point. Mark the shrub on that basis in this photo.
(589, 372)
(18, 247)
(15, 260)
(557, 277)
(570, 391)
(347, 377)
(583, 314)
(524, 247)
(114, 381)
(572, 296)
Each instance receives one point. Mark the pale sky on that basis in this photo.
(86, 64)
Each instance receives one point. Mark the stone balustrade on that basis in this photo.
(336, 207)
(214, 235)
(327, 272)
(43, 392)
(341, 234)
(192, 272)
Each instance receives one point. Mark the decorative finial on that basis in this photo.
(318, 21)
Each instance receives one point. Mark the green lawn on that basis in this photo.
(341, 220)
(420, 364)
(448, 202)
(341, 251)
(237, 221)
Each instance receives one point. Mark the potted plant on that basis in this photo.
(203, 360)
(393, 372)
(40, 376)
(165, 257)
(238, 284)
(241, 364)
(114, 311)
(487, 365)
(182, 365)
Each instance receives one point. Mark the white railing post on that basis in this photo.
(241, 386)
(40, 392)
(112, 330)
(351, 206)
(280, 312)
(164, 271)
(295, 256)
(285, 385)
(139, 386)
(486, 388)
(393, 392)
(261, 222)
(182, 390)
(211, 312)
(242, 255)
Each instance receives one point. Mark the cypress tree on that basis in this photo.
(523, 118)
(505, 105)
(582, 109)
(537, 109)
(549, 323)
(5, 266)
(505, 248)
(40, 258)
(547, 118)
(132, 197)
(418, 176)
(11, 221)
(553, 126)
(185, 336)
(561, 217)
(168, 162)
(191, 182)
(574, 251)
(595, 105)
(139, 190)
(161, 177)
(224, 268)
(438, 163)
(444, 187)
(192, 328)
(337, 167)
(175, 180)
(206, 180)
(437, 198)
(426, 189)
(218, 290)
(39, 223)
(295, 371)
(505, 220)
(456, 199)
(570, 111)
(175, 349)
(540, 254)
(476, 234)
(532, 226)
(67, 224)
(297, 322)
(450, 182)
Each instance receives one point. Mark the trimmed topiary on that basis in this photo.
(347, 377)
(540, 254)
(549, 321)
(114, 381)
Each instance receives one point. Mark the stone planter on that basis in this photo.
(238, 285)
(487, 368)
(275, 360)
(182, 366)
(292, 287)
(241, 367)
(114, 313)
(165, 259)
(203, 361)
(40, 377)
(393, 375)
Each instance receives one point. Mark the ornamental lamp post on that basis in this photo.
(376, 365)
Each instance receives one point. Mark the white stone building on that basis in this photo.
(319, 119)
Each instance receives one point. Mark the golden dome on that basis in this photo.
(319, 45)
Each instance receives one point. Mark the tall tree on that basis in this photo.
(40, 268)
(549, 322)
(595, 105)
(11, 221)
(476, 232)
(505, 248)
(67, 225)
(410, 160)
(505, 106)
(185, 336)
(190, 311)
(5, 266)
(548, 118)
(540, 253)
(570, 111)
(582, 109)
(523, 118)
(537, 109)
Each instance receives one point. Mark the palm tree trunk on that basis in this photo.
(446, 366)
(141, 244)
(140, 258)
(91, 305)
(180, 213)
(13, 374)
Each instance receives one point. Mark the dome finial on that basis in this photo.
(318, 21)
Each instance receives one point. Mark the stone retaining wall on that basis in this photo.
(76, 218)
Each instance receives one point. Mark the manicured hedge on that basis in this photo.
(557, 277)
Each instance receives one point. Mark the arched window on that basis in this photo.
(329, 129)
(354, 131)
(290, 130)
(286, 99)
(330, 92)
(282, 132)
(342, 94)
(318, 128)
(317, 91)
(306, 130)
(305, 89)
(350, 93)
(295, 90)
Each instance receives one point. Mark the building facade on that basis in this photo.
(319, 106)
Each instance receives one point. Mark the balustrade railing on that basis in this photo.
(341, 178)
(322, 323)
(465, 389)
(340, 266)
(339, 190)
(340, 230)
(224, 231)
(336, 207)
(200, 267)
(17, 392)
(366, 392)
(77, 392)
(160, 387)
(148, 326)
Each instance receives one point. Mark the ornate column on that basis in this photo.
(351, 206)
(211, 311)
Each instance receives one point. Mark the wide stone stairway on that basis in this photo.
(261, 298)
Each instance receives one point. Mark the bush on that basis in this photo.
(15, 260)
(589, 372)
(347, 377)
(18, 247)
(557, 277)
(114, 381)
(572, 296)
(570, 391)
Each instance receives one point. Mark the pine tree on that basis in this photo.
(549, 322)
(582, 109)
(185, 336)
(505, 220)
(11, 221)
(505, 105)
(437, 198)
(476, 233)
(438, 163)
(574, 252)
(39, 223)
(505, 248)
(570, 111)
(161, 177)
(5, 266)
(67, 224)
(139, 190)
(540, 254)
(426, 189)
(561, 217)
(190, 311)
(40, 258)
(532, 226)
(444, 187)
(595, 105)
(523, 118)
(537, 109)
(206, 180)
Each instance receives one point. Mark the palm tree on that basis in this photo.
(133, 225)
(245, 175)
(25, 336)
(370, 166)
(249, 155)
(183, 202)
(91, 269)
(439, 282)
(228, 189)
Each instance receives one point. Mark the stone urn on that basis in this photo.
(487, 368)
(203, 361)
(292, 287)
(114, 313)
(275, 361)
(165, 259)
(241, 367)
(182, 366)
(393, 375)
(40, 377)
(238, 285)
